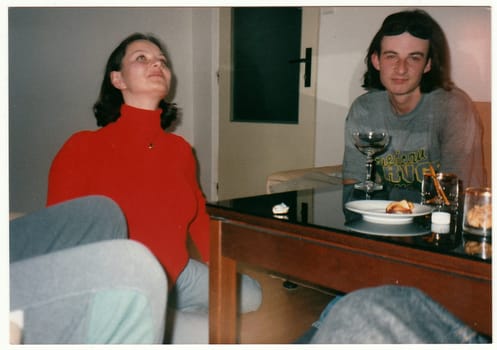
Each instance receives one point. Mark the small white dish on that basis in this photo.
(375, 211)
(281, 209)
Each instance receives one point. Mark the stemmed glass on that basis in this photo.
(370, 143)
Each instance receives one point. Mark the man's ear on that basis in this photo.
(427, 66)
(116, 80)
(375, 60)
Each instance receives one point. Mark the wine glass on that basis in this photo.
(370, 143)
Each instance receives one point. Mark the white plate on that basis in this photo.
(375, 211)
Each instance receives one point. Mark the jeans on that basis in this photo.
(76, 277)
(307, 336)
(189, 303)
(391, 315)
(191, 292)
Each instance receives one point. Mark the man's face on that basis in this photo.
(402, 62)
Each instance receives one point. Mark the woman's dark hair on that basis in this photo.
(420, 24)
(107, 109)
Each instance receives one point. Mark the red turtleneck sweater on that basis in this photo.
(150, 173)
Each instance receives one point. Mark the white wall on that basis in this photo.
(57, 57)
(345, 34)
(205, 92)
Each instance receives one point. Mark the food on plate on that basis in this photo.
(480, 216)
(400, 207)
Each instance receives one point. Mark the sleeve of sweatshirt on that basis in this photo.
(461, 140)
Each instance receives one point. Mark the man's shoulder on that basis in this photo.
(373, 97)
(450, 103)
(456, 95)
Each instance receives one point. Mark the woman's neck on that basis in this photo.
(141, 102)
(140, 121)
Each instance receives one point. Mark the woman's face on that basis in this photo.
(144, 77)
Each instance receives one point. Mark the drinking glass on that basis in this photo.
(441, 192)
(448, 183)
(477, 222)
(477, 219)
(370, 143)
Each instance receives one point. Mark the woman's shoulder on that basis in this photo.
(177, 141)
(81, 140)
(175, 138)
(83, 136)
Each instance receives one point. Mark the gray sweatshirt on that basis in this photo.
(443, 130)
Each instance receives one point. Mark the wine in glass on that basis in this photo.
(370, 143)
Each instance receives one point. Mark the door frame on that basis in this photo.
(310, 15)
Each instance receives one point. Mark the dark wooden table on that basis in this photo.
(314, 245)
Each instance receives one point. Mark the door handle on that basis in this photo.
(308, 64)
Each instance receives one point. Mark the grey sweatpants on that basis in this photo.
(78, 279)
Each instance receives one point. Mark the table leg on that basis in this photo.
(222, 291)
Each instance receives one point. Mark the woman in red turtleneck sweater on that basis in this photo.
(150, 173)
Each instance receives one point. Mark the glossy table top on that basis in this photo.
(323, 208)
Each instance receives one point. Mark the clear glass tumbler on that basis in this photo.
(449, 185)
(477, 219)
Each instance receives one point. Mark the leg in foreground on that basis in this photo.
(392, 315)
(65, 225)
(113, 291)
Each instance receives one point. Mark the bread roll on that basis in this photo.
(401, 207)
